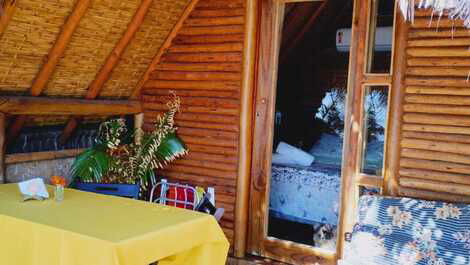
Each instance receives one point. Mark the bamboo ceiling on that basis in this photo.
(36, 25)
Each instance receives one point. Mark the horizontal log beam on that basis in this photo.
(40, 156)
(63, 106)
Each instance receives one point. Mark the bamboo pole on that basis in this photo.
(163, 48)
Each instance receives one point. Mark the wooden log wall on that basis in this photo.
(435, 135)
(203, 66)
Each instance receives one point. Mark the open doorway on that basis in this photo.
(305, 182)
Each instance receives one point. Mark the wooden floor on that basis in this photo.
(250, 260)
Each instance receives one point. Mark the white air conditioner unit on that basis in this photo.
(383, 39)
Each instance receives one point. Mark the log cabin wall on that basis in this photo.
(435, 131)
(203, 66)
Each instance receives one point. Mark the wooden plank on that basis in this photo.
(195, 76)
(439, 33)
(191, 109)
(8, 9)
(439, 42)
(213, 30)
(438, 99)
(435, 165)
(192, 48)
(439, 52)
(220, 4)
(430, 195)
(212, 57)
(222, 12)
(234, 94)
(435, 175)
(448, 147)
(214, 21)
(457, 91)
(436, 23)
(216, 174)
(433, 155)
(58, 49)
(438, 71)
(136, 91)
(445, 62)
(41, 156)
(433, 108)
(2, 147)
(437, 128)
(61, 106)
(222, 38)
(458, 138)
(199, 117)
(437, 81)
(216, 67)
(193, 85)
(437, 186)
(197, 101)
(434, 119)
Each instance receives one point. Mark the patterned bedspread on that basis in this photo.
(307, 195)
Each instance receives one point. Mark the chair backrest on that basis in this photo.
(409, 231)
(122, 190)
(174, 194)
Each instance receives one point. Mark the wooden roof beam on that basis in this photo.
(56, 52)
(111, 62)
(66, 106)
(292, 44)
(61, 43)
(169, 39)
(7, 9)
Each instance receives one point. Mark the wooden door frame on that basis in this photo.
(269, 38)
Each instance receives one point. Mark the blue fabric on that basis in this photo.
(407, 231)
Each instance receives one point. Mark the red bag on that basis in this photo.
(180, 194)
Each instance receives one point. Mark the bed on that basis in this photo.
(307, 195)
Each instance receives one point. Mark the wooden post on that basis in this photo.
(396, 109)
(7, 9)
(2, 147)
(138, 123)
(246, 118)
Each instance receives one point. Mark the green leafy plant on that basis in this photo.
(115, 158)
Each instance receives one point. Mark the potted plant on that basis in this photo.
(117, 159)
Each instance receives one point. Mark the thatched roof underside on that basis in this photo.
(35, 26)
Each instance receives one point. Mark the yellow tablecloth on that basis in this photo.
(93, 229)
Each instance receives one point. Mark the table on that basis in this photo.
(94, 229)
